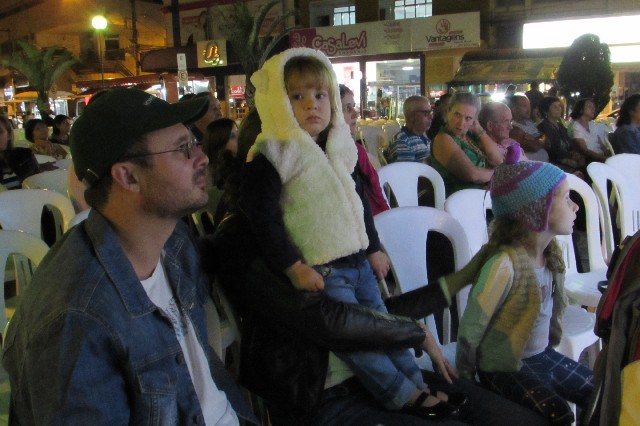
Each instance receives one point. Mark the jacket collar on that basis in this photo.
(121, 274)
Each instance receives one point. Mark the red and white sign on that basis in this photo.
(405, 35)
(237, 92)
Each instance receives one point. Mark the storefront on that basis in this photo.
(385, 62)
(489, 72)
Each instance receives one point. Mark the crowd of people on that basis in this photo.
(119, 334)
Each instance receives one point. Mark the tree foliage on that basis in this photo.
(42, 67)
(586, 69)
(244, 36)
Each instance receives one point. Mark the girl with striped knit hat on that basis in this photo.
(513, 316)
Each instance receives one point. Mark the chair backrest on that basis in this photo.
(469, 207)
(624, 192)
(21, 210)
(599, 174)
(55, 180)
(373, 137)
(403, 234)
(79, 217)
(391, 129)
(402, 178)
(626, 164)
(593, 222)
(25, 245)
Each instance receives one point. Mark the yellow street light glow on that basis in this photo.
(99, 22)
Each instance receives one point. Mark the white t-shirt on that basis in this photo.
(539, 338)
(593, 137)
(216, 408)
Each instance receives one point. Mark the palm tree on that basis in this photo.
(42, 67)
(244, 36)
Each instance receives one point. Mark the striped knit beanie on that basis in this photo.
(523, 190)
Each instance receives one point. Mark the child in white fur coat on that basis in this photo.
(307, 213)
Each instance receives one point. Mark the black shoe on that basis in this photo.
(457, 399)
(441, 410)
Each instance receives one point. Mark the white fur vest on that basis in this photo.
(323, 213)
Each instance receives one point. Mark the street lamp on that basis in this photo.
(100, 23)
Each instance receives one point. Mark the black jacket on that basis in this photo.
(287, 334)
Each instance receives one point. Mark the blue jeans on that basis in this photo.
(391, 376)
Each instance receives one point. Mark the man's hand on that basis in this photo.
(380, 264)
(440, 363)
(467, 275)
(304, 277)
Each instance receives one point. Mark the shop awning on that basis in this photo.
(124, 81)
(509, 65)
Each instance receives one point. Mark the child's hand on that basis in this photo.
(304, 277)
(380, 264)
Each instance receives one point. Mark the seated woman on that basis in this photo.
(220, 143)
(587, 134)
(36, 131)
(626, 138)
(61, 127)
(562, 152)
(459, 151)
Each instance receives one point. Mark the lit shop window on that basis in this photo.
(407, 9)
(344, 15)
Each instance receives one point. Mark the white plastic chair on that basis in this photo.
(222, 323)
(403, 235)
(402, 178)
(623, 192)
(469, 207)
(626, 164)
(582, 287)
(23, 248)
(599, 172)
(41, 158)
(374, 140)
(21, 210)
(391, 129)
(55, 180)
(79, 217)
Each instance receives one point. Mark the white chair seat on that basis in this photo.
(582, 289)
(577, 334)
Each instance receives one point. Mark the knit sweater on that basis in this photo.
(501, 312)
(322, 212)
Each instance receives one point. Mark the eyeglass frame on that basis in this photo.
(186, 148)
(425, 112)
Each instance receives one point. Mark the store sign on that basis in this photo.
(237, 92)
(374, 38)
(447, 32)
(212, 53)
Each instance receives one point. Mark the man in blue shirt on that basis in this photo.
(112, 328)
(412, 143)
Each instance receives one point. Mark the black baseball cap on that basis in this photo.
(109, 125)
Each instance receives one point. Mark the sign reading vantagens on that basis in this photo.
(374, 38)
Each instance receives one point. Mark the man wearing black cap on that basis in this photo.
(112, 328)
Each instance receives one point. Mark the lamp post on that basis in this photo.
(100, 23)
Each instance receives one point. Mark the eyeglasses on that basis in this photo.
(425, 112)
(186, 148)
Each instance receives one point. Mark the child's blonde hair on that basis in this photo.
(314, 73)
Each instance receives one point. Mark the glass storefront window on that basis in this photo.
(389, 83)
(350, 75)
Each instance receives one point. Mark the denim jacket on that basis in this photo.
(87, 346)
